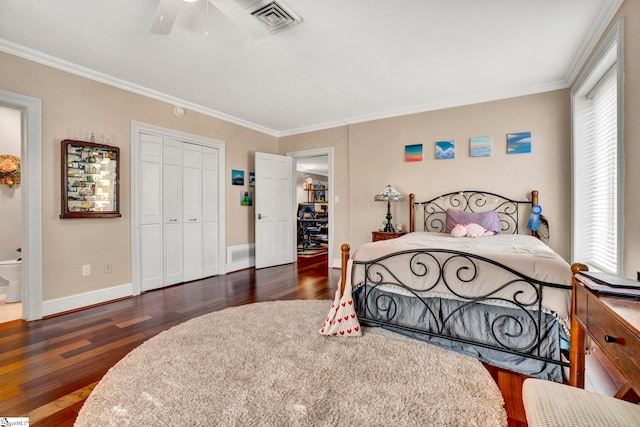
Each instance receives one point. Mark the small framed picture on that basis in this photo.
(480, 146)
(519, 143)
(413, 153)
(246, 198)
(252, 179)
(237, 177)
(445, 149)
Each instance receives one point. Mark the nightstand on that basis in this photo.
(385, 235)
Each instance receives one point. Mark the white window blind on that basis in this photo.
(596, 177)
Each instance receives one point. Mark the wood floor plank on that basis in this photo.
(50, 409)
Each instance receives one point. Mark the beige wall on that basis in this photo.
(375, 158)
(73, 107)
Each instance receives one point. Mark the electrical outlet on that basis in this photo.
(108, 267)
(86, 270)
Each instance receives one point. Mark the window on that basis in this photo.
(597, 166)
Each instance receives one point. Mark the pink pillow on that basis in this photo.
(489, 220)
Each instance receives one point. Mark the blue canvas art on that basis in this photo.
(480, 146)
(237, 177)
(445, 149)
(518, 143)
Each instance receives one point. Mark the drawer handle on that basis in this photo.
(609, 338)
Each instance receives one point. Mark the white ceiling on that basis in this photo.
(348, 61)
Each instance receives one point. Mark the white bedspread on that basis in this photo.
(522, 253)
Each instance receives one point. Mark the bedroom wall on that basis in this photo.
(375, 158)
(73, 107)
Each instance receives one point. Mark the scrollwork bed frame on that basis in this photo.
(519, 329)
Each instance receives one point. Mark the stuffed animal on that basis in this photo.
(470, 230)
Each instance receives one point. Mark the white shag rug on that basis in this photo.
(265, 364)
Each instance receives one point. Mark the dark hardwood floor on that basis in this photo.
(49, 367)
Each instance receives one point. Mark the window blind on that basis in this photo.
(596, 177)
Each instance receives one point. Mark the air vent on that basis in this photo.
(276, 16)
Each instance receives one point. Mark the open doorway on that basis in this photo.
(313, 183)
(30, 291)
(11, 216)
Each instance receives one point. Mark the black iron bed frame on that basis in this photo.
(457, 270)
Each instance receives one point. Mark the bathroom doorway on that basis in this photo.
(11, 212)
(29, 111)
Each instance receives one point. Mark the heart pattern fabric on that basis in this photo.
(342, 320)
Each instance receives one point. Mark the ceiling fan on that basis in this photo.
(258, 17)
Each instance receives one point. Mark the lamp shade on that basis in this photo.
(389, 194)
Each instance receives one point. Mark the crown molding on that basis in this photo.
(589, 43)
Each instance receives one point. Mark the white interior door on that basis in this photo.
(274, 222)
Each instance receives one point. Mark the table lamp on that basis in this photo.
(389, 194)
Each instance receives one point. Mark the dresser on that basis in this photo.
(613, 323)
(385, 235)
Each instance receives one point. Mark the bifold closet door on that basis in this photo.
(179, 222)
(210, 208)
(172, 212)
(192, 210)
(150, 215)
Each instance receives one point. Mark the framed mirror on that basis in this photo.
(90, 182)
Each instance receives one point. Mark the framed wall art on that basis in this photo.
(519, 143)
(480, 146)
(90, 185)
(445, 149)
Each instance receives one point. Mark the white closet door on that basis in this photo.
(150, 216)
(210, 220)
(172, 212)
(192, 210)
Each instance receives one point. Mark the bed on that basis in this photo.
(504, 299)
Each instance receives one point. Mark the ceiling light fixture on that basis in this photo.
(189, 1)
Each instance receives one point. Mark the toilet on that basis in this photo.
(11, 270)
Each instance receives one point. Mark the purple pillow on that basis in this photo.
(489, 220)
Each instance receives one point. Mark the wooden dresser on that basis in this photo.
(613, 323)
(385, 235)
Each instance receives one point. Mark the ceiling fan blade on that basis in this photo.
(165, 15)
(241, 16)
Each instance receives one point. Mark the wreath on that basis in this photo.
(9, 170)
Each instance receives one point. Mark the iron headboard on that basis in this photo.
(508, 210)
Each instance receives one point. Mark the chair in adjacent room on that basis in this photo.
(307, 228)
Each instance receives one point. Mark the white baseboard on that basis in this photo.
(74, 302)
(336, 263)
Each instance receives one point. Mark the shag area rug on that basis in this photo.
(265, 364)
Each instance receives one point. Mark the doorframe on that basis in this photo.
(31, 203)
(315, 152)
(136, 129)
